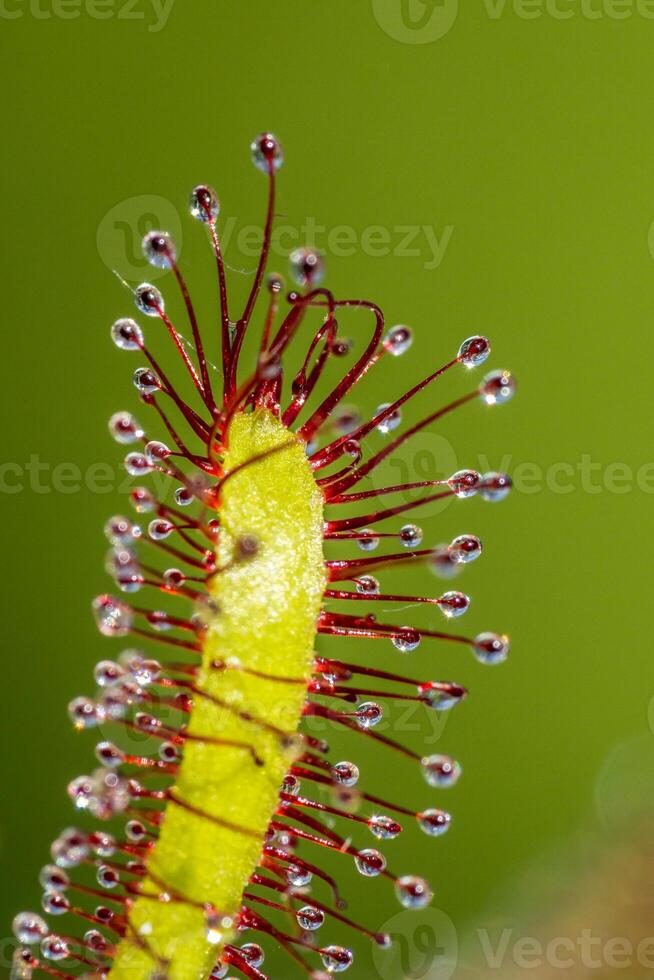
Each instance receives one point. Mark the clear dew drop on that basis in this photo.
(370, 862)
(498, 387)
(290, 784)
(107, 672)
(413, 892)
(126, 334)
(135, 831)
(440, 770)
(122, 563)
(442, 695)
(173, 578)
(183, 497)
(298, 876)
(369, 714)
(70, 848)
(495, 486)
(84, 713)
(465, 548)
(148, 299)
(54, 948)
(156, 452)
(267, 153)
(124, 428)
(464, 483)
(53, 878)
(107, 877)
(219, 971)
(136, 464)
(112, 617)
(146, 671)
(142, 500)
(384, 828)
(391, 422)
(345, 419)
(95, 941)
(454, 604)
(253, 953)
(398, 340)
(368, 540)
(406, 640)
(168, 752)
(115, 700)
(307, 267)
(441, 563)
(367, 585)
(131, 659)
(310, 918)
(80, 790)
(22, 965)
(54, 903)
(336, 959)
(348, 798)
(434, 823)
(204, 204)
(104, 794)
(29, 928)
(159, 249)
(120, 530)
(345, 773)
(159, 529)
(108, 755)
(491, 648)
(341, 346)
(474, 351)
(146, 381)
(411, 536)
(102, 843)
(275, 283)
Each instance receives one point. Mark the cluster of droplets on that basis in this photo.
(122, 685)
(70, 850)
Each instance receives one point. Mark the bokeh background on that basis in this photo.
(493, 167)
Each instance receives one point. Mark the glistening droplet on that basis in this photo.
(491, 648)
(440, 770)
(398, 340)
(498, 387)
(267, 152)
(474, 351)
(204, 204)
(413, 892)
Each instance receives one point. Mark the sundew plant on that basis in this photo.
(217, 820)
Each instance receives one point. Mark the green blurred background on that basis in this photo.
(524, 145)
